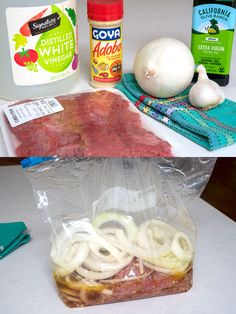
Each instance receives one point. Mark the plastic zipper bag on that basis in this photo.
(120, 227)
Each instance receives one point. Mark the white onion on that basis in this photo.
(100, 253)
(125, 221)
(95, 264)
(180, 270)
(100, 244)
(89, 274)
(164, 67)
(137, 251)
(74, 254)
(68, 255)
(113, 253)
(110, 235)
(182, 247)
(169, 261)
(154, 234)
(98, 261)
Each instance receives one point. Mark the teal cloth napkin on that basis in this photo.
(212, 129)
(12, 235)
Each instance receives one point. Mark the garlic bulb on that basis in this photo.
(205, 94)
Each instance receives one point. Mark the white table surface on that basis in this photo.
(26, 284)
(143, 22)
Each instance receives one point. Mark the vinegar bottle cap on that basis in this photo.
(105, 10)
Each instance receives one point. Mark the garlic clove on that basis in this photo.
(205, 94)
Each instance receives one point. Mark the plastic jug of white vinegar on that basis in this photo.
(39, 47)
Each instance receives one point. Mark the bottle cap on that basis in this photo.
(105, 10)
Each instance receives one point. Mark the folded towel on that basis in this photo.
(12, 235)
(212, 129)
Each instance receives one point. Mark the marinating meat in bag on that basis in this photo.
(92, 124)
(121, 229)
(96, 263)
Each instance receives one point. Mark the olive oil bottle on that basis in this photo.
(212, 37)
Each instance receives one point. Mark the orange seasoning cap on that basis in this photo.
(105, 10)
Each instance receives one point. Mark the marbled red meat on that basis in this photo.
(92, 124)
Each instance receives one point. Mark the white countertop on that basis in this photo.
(143, 22)
(26, 284)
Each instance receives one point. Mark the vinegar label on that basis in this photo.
(106, 54)
(43, 42)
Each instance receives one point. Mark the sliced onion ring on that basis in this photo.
(101, 244)
(69, 256)
(137, 251)
(97, 242)
(182, 247)
(97, 265)
(125, 221)
(154, 234)
(181, 270)
(93, 275)
(109, 234)
(100, 252)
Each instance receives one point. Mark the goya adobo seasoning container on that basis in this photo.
(105, 18)
(39, 47)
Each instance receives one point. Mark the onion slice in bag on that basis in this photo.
(125, 221)
(97, 265)
(154, 234)
(175, 271)
(137, 251)
(93, 275)
(182, 247)
(69, 255)
(100, 252)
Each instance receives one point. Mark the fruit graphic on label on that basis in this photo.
(211, 31)
(25, 57)
(25, 30)
(75, 62)
(56, 48)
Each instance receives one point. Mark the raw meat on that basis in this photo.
(129, 284)
(92, 124)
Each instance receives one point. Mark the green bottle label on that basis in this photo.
(212, 37)
(43, 42)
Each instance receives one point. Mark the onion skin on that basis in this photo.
(164, 67)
